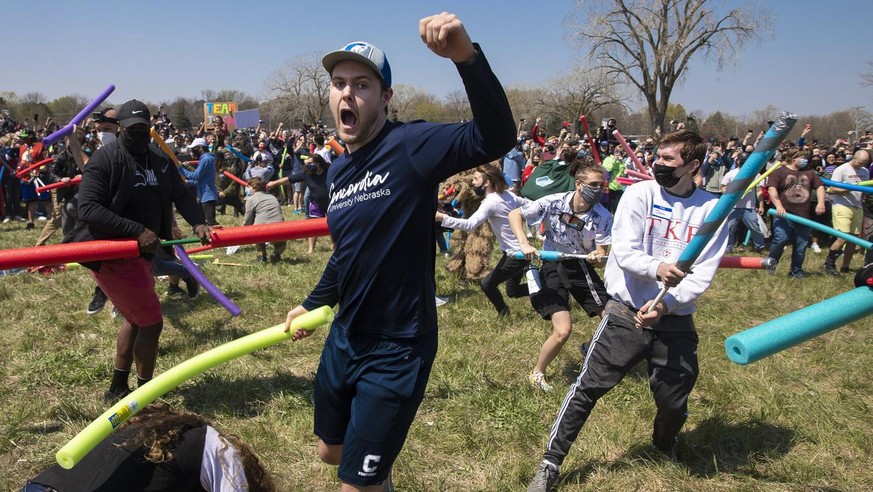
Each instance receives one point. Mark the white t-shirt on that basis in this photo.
(846, 173)
(221, 469)
(495, 208)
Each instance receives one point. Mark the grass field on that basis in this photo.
(799, 420)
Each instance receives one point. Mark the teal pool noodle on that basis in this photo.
(823, 228)
(795, 328)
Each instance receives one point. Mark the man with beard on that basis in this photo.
(128, 191)
(383, 197)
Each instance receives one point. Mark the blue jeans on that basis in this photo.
(750, 218)
(783, 232)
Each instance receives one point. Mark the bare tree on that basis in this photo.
(650, 43)
(867, 77)
(412, 103)
(580, 92)
(299, 90)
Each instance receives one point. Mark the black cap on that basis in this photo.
(134, 112)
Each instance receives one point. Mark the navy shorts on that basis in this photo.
(367, 392)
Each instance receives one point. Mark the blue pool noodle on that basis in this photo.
(795, 328)
(847, 186)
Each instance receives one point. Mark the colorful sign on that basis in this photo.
(226, 110)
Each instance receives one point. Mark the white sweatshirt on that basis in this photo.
(495, 208)
(652, 226)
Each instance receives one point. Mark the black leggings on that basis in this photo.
(509, 270)
(209, 212)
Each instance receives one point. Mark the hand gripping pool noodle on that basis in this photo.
(799, 326)
(203, 281)
(747, 262)
(725, 205)
(66, 130)
(847, 186)
(833, 232)
(629, 151)
(103, 426)
(59, 184)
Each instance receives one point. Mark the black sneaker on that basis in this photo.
(845, 270)
(192, 286)
(174, 291)
(97, 302)
(274, 258)
(29, 225)
(111, 397)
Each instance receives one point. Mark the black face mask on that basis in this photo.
(136, 142)
(479, 190)
(666, 175)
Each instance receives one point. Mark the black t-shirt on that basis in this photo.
(145, 196)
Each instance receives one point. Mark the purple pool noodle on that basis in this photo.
(209, 286)
(68, 128)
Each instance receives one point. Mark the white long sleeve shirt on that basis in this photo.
(495, 208)
(652, 226)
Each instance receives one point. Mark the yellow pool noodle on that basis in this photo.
(103, 426)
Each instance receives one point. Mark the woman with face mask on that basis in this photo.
(314, 176)
(488, 181)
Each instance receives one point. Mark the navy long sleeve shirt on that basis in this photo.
(383, 199)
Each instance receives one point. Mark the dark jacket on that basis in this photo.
(105, 193)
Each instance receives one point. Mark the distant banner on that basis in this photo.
(248, 118)
(226, 110)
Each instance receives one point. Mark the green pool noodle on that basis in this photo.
(795, 328)
(103, 426)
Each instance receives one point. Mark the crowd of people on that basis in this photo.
(567, 194)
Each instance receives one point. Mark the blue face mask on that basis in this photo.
(803, 163)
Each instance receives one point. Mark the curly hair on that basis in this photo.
(158, 427)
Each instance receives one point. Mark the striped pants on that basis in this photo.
(616, 347)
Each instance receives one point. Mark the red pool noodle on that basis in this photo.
(750, 262)
(198, 249)
(635, 174)
(591, 143)
(38, 165)
(264, 233)
(58, 254)
(231, 176)
(59, 184)
(626, 181)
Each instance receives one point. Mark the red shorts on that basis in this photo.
(130, 286)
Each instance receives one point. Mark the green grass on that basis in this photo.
(799, 420)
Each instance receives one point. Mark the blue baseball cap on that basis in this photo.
(362, 52)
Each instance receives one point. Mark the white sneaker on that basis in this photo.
(20, 218)
(441, 300)
(815, 247)
(41, 218)
(538, 381)
(7, 220)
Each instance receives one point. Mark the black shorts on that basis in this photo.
(560, 279)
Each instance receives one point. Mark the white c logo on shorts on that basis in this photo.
(371, 462)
